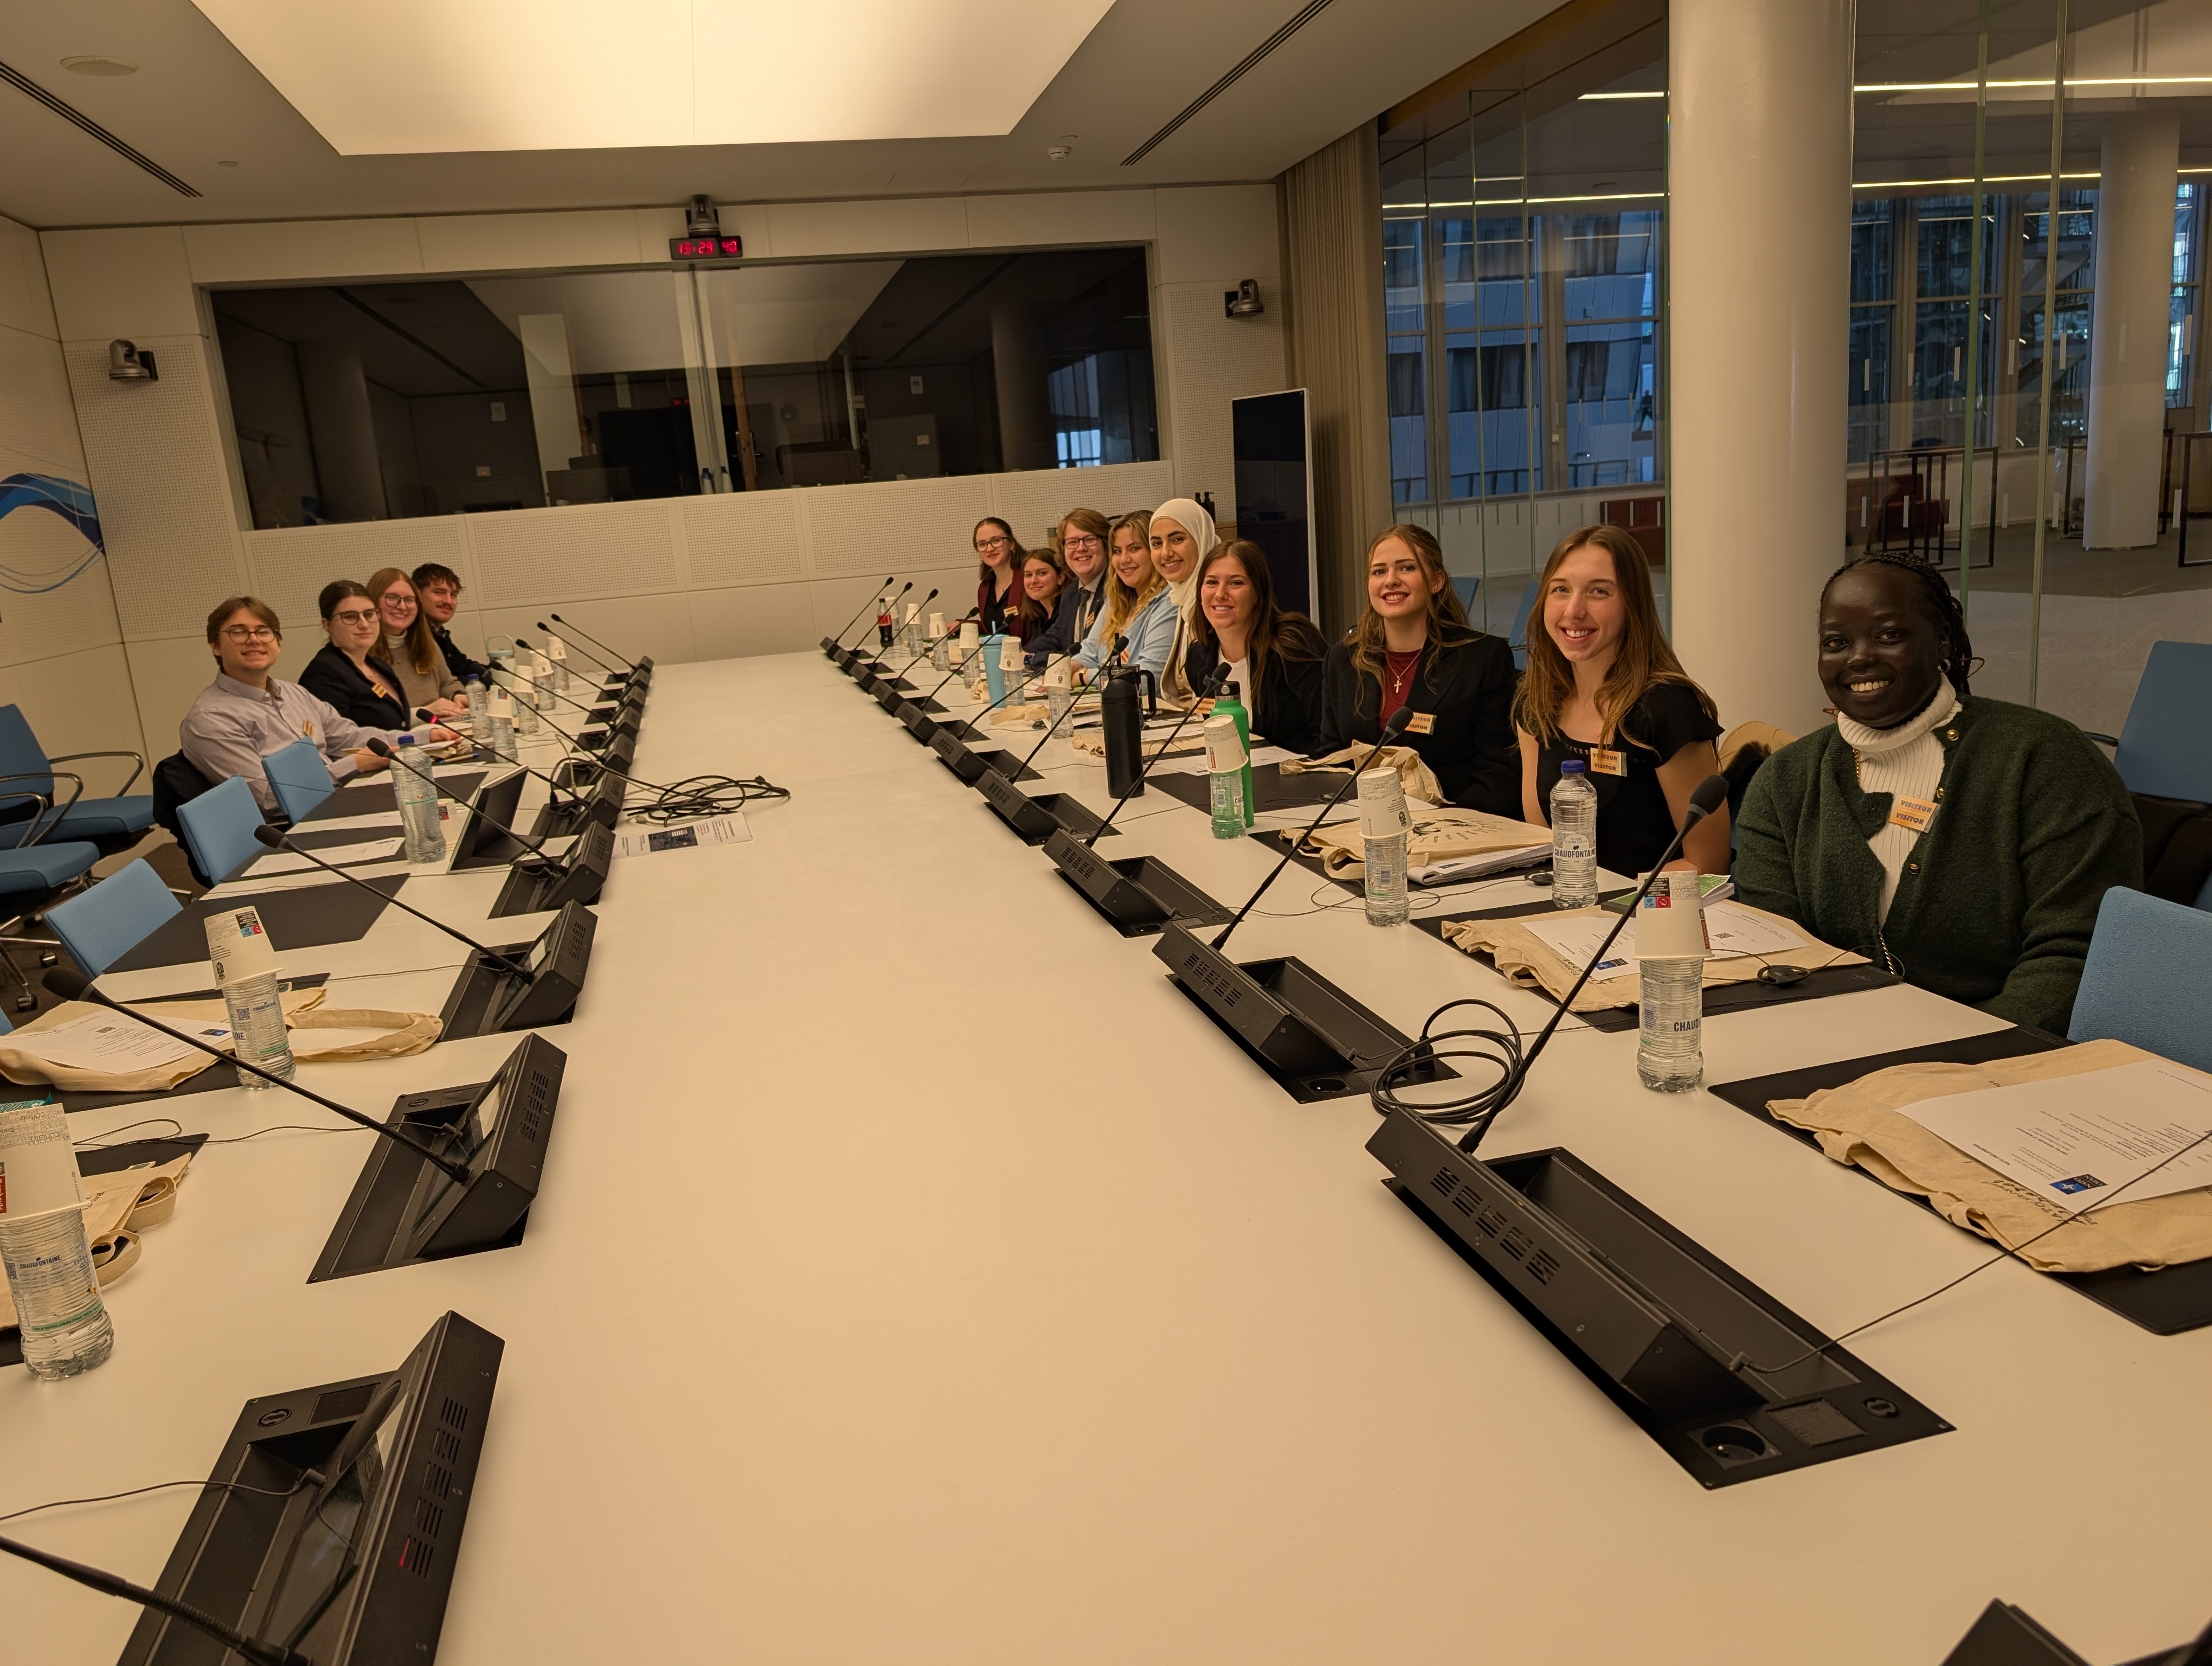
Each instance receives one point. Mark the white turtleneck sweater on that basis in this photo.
(1906, 762)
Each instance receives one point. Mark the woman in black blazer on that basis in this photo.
(1275, 657)
(1413, 647)
(344, 675)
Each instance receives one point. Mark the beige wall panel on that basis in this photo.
(837, 600)
(38, 422)
(507, 242)
(72, 617)
(287, 566)
(1217, 234)
(1211, 360)
(133, 282)
(1034, 501)
(168, 675)
(635, 626)
(877, 228)
(740, 538)
(1072, 217)
(25, 303)
(524, 557)
(82, 703)
(892, 526)
(286, 251)
(762, 618)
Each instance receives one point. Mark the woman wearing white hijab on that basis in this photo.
(1184, 535)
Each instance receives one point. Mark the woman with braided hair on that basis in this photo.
(1962, 843)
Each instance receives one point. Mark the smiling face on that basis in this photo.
(1039, 580)
(353, 625)
(439, 599)
(1881, 654)
(1175, 552)
(1084, 552)
(1133, 561)
(397, 605)
(1396, 587)
(994, 544)
(247, 645)
(1584, 612)
(1226, 594)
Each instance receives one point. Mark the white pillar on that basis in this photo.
(1758, 347)
(2128, 330)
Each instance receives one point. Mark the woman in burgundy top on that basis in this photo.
(1413, 647)
(998, 595)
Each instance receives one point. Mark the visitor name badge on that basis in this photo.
(1421, 723)
(1911, 814)
(1604, 761)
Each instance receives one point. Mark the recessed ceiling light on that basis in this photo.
(401, 76)
(225, 164)
(91, 64)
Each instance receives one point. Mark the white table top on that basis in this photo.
(1000, 1310)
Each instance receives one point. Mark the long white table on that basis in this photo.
(920, 1276)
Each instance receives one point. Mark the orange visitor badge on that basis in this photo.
(1604, 761)
(1421, 723)
(1912, 814)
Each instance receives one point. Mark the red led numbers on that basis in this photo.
(706, 248)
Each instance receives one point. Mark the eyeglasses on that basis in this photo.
(991, 543)
(1083, 541)
(248, 634)
(353, 618)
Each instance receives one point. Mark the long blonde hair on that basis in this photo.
(422, 648)
(1123, 604)
(1448, 621)
(1644, 658)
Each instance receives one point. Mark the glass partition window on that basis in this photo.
(374, 401)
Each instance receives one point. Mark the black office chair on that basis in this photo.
(178, 780)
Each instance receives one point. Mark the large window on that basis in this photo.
(374, 401)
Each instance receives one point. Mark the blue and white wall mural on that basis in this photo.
(29, 567)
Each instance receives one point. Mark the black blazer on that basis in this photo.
(1287, 706)
(332, 679)
(1468, 686)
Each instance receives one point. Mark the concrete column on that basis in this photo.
(1017, 365)
(1758, 245)
(2128, 330)
(343, 429)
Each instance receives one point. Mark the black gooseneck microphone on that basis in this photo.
(575, 793)
(891, 610)
(1391, 731)
(629, 662)
(383, 750)
(1707, 796)
(931, 642)
(850, 623)
(1144, 764)
(72, 985)
(629, 698)
(587, 653)
(112, 1584)
(274, 839)
(1119, 642)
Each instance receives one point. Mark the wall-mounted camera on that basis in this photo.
(1243, 300)
(126, 363)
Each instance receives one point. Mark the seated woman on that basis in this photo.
(1042, 580)
(345, 674)
(426, 682)
(1604, 686)
(1139, 604)
(1962, 843)
(1413, 647)
(1274, 658)
(999, 582)
(1184, 534)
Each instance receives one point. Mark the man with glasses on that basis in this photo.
(1081, 535)
(438, 588)
(245, 714)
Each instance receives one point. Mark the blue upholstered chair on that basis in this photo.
(2150, 962)
(100, 925)
(219, 827)
(64, 814)
(299, 777)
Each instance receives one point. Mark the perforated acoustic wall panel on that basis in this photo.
(155, 457)
(289, 565)
(40, 621)
(893, 524)
(740, 538)
(37, 426)
(1034, 502)
(1217, 359)
(526, 555)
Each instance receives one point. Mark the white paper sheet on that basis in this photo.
(1452, 869)
(339, 855)
(1177, 765)
(2077, 1141)
(1733, 932)
(685, 836)
(109, 1042)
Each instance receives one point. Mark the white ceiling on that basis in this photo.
(195, 103)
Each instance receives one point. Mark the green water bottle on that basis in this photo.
(1228, 705)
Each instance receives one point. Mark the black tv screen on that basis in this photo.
(1274, 491)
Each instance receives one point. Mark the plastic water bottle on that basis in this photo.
(526, 712)
(1225, 761)
(245, 971)
(1670, 1052)
(495, 728)
(48, 1261)
(556, 652)
(1230, 706)
(418, 802)
(542, 681)
(1386, 830)
(1574, 837)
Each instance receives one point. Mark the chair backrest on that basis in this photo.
(2149, 964)
(1468, 589)
(22, 755)
(219, 827)
(299, 777)
(2164, 750)
(1517, 638)
(99, 926)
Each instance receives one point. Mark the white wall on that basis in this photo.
(61, 655)
(684, 578)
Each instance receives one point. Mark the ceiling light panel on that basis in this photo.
(378, 78)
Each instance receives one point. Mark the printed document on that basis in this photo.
(109, 1042)
(643, 841)
(343, 855)
(1733, 932)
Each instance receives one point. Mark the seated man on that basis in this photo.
(1964, 843)
(439, 590)
(245, 714)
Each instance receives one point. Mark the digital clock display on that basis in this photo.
(706, 248)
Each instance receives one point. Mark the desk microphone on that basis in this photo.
(918, 606)
(274, 839)
(111, 1584)
(595, 642)
(71, 984)
(581, 648)
(833, 640)
(1391, 731)
(574, 792)
(1144, 764)
(535, 847)
(630, 695)
(888, 615)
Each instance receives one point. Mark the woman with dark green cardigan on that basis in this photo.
(1964, 843)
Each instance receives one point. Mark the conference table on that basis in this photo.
(920, 1276)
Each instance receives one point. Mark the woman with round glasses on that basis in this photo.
(350, 674)
(999, 583)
